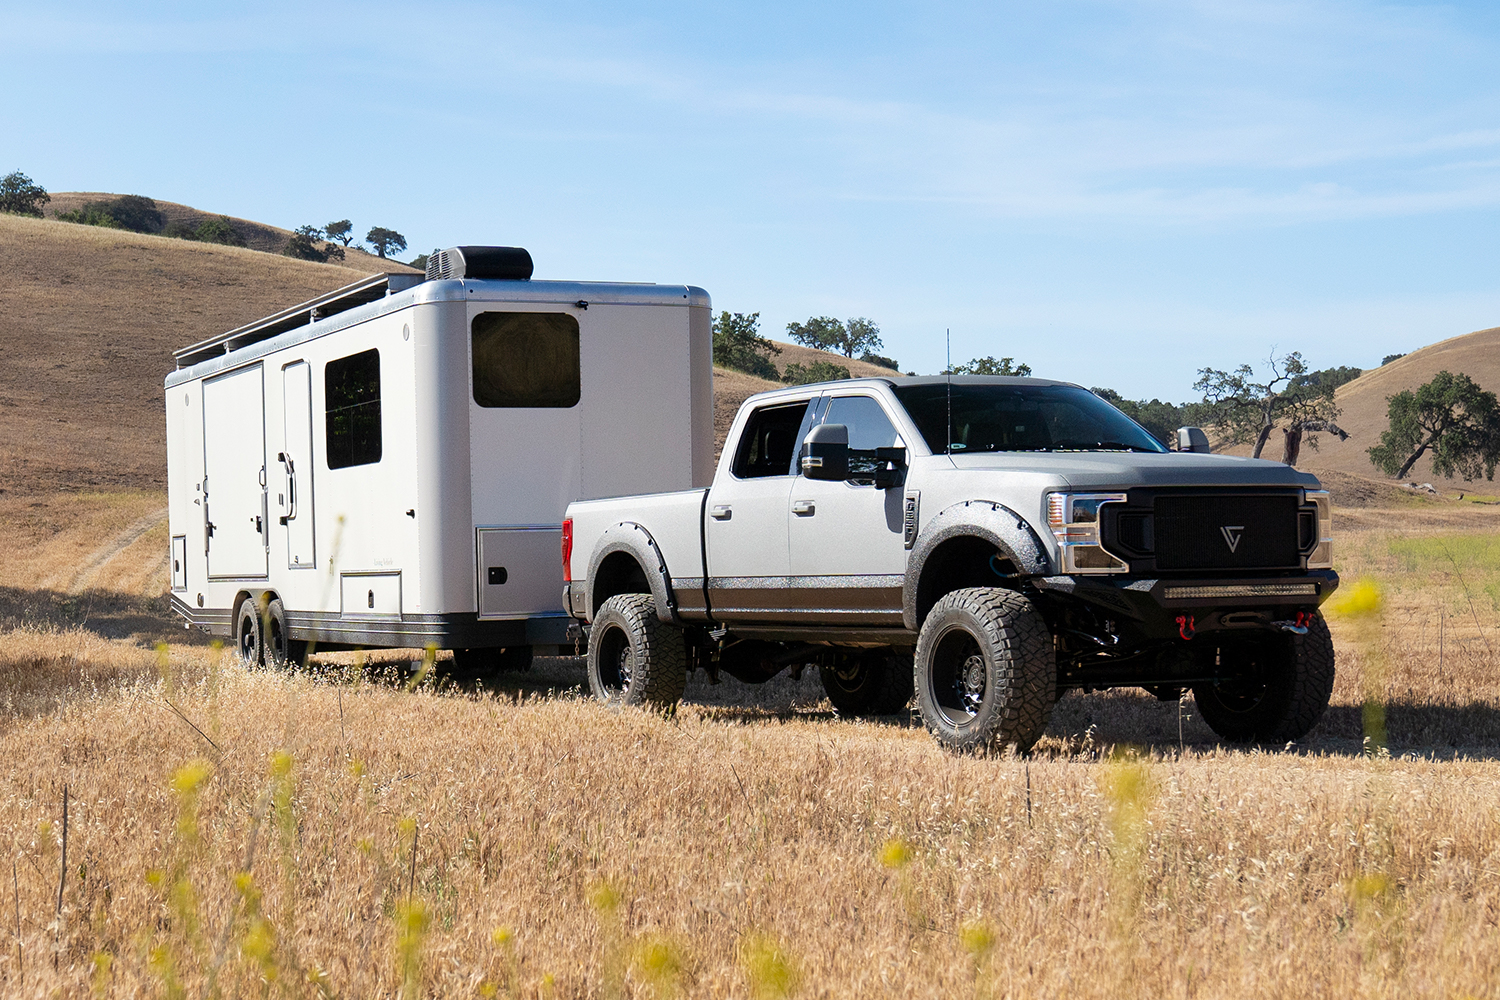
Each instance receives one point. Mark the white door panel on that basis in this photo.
(294, 495)
(234, 462)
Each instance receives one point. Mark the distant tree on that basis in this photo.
(385, 241)
(989, 366)
(129, 211)
(1328, 376)
(180, 230)
(821, 332)
(1161, 419)
(20, 196)
(818, 371)
(341, 231)
(219, 230)
(862, 336)
(303, 244)
(881, 360)
(1243, 410)
(739, 345)
(1452, 416)
(91, 213)
(1389, 358)
(420, 262)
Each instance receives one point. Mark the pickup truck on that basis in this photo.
(980, 543)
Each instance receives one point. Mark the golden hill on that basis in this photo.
(1363, 402)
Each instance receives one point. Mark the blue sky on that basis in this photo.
(1117, 193)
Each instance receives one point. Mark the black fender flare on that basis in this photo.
(635, 541)
(994, 522)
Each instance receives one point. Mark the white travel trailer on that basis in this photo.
(388, 464)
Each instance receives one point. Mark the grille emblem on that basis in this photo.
(1232, 535)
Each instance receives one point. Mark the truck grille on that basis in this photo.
(1226, 532)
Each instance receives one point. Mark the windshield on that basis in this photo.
(1020, 417)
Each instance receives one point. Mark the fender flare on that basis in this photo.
(994, 522)
(635, 541)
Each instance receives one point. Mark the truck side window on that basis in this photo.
(351, 400)
(524, 359)
(769, 442)
(869, 428)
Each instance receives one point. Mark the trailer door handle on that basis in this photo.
(722, 512)
(804, 508)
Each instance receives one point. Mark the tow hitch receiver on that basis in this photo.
(1297, 624)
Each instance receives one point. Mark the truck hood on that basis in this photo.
(1119, 470)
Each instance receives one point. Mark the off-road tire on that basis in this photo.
(874, 682)
(634, 657)
(1298, 671)
(485, 662)
(985, 673)
(281, 651)
(249, 639)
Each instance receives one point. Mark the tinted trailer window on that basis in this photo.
(351, 399)
(526, 360)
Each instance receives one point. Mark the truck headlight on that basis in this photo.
(1322, 555)
(1074, 520)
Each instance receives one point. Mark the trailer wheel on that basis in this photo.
(282, 652)
(634, 657)
(876, 682)
(484, 662)
(1278, 690)
(249, 644)
(985, 672)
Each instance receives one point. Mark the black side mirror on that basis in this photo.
(825, 452)
(890, 467)
(1192, 439)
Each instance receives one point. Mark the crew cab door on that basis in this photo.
(848, 554)
(746, 523)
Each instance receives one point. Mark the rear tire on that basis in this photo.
(634, 657)
(986, 676)
(1283, 689)
(873, 682)
(484, 662)
(249, 641)
(282, 652)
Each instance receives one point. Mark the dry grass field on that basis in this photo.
(362, 830)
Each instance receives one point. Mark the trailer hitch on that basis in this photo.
(1296, 625)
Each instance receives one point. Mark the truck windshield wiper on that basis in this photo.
(1096, 446)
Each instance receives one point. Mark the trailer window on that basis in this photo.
(526, 359)
(351, 392)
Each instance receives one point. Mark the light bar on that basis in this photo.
(1242, 590)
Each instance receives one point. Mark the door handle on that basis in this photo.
(804, 508)
(722, 512)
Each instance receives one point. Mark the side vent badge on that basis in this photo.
(909, 517)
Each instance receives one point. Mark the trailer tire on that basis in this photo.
(874, 682)
(634, 657)
(1288, 697)
(985, 672)
(485, 662)
(282, 652)
(249, 640)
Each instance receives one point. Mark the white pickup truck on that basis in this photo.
(982, 543)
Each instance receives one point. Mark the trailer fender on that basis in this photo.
(994, 523)
(628, 539)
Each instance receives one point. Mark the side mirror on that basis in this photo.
(825, 452)
(1192, 439)
(890, 468)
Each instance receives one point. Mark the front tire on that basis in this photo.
(1280, 689)
(249, 640)
(877, 682)
(986, 676)
(634, 657)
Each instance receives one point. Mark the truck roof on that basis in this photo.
(899, 381)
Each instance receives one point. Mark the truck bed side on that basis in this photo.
(671, 522)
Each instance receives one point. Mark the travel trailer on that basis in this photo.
(388, 464)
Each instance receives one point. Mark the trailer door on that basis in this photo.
(295, 496)
(234, 463)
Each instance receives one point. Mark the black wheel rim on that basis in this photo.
(850, 676)
(248, 646)
(1248, 665)
(616, 663)
(958, 677)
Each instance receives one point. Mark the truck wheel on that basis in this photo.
(282, 652)
(985, 671)
(484, 662)
(634, 658)
(249, 644)
(1281, 690)
(878, 682)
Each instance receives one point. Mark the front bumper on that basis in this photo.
(1155, 602)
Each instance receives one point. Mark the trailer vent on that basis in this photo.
(511, 263)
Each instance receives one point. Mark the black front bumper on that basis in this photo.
(1156, 603)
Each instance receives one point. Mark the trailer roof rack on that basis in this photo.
(370, 289)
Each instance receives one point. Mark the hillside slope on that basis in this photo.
(1363, 401)
(89, 318)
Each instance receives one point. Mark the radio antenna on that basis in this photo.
(948, 371)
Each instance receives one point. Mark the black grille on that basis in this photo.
(1227, 532)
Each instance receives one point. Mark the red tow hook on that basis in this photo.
(1185, 627)
(1304, 619)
